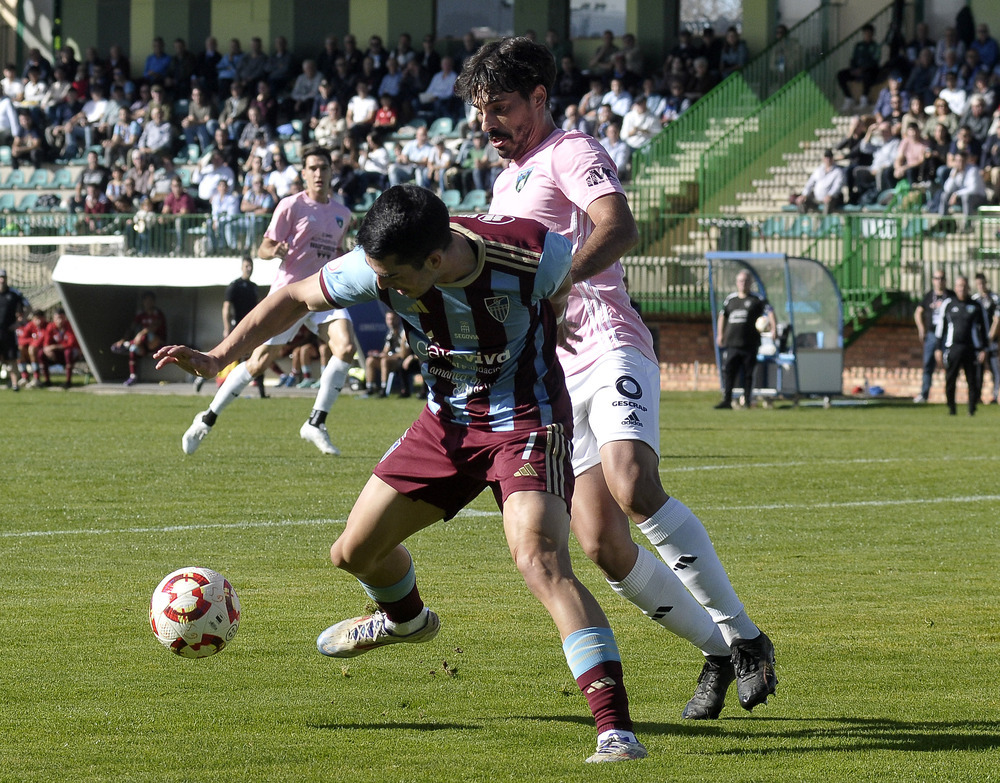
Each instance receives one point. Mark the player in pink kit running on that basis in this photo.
(306, 231)
(567, 181)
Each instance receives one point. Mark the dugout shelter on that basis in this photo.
(806, 357)
(101, 295)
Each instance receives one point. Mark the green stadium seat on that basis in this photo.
(442, 126)
(27, 203)
(474, 201)
(39, 179)
(14, 180)
(451, 199)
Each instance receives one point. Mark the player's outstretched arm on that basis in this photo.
(276, 313)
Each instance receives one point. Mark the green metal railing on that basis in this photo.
(759, 141)
(876, 258)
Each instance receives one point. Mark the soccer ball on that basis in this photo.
(762, 324)
(194, 612)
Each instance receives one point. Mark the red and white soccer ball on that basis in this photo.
(194, 612)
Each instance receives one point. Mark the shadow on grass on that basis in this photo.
(394, 726)
(845, 734)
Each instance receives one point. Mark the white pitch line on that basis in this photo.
(855, 503)
(200, 526)
(814, 462)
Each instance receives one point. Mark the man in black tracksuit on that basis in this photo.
(962, 343)
(737, 334)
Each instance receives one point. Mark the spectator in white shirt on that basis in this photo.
(207, 177)
(620, 152)
(964, 187)
(361, 111)
(618, 98)
(824, 188)
(639, 125)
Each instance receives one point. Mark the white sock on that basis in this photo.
(330, 384)
(625, 736)
(683, 543)
(237, 380)
(410, 626)
(661, 595)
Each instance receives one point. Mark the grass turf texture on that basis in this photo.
(864, 540)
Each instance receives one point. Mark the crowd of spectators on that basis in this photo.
(227, 113)
(928, 138)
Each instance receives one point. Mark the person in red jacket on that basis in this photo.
(30, 337)
(59, 346)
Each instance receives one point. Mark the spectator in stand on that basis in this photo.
(633, 54)
(921, 76)
(252, 68)
(618, 98)
(116, 185)
(29, 144)
(227, 68)
(411, 163)
(553, 43)
(36, 60)
(882, 142)
(942, 115)
(81, 130)
(206, 68)
(702, 80)
(403, 52)
(600, 62)
(849, 152)
(11, 85)
(379, 54)
(139, 106)
(442, 88)
(893, 87)
(370, 75)
(604, 118)
(373, 163)
(157, 64)
(280, 66)
(233, 116)
(178, 202)
(911, 156)
(201, 121)
(146, 334)
(639, 125)
(386, 118)
(223, 226)
(360, 114)
(328, 56)
(428, 57)
(158, 97)
(95, 204)
(964, 188)
(283, 179)
(331, 130)
(966, 144)
(675, 104)
(712, 48)
(569, 86)
(921, 40)
(256, 135)
(412, 86)
(164, 171)
(989, 163)
(969, 69)
(480, 164)
(138, 179)
(734, 55)
(93, 174)
(950, 67)
(686, 50)
(342, 82)
(824, 189)
(35, 96)
(207, 176)
(936, 156)
(863, 68)
(986, 46)
(157, 135)
(181, 72)
(916, 114)
(266, 103)
(573, 121)
(222, 144)
(352, 55)
(66, 59)
(592, 100)
(982, 87)
(256, 208)
(379, 365)
(440, 161)
(391, 82)
(949, 42)
(618, 150)
(124, 135)
(976, 119)
(305, 90)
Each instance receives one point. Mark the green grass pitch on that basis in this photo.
(863, 539)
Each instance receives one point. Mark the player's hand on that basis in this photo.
(568, 336)
(188, 359)
(281, 249)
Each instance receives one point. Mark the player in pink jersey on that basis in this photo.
(567, 181)
(306, 231)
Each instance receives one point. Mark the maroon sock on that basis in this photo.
(405, 609)
(604, 688)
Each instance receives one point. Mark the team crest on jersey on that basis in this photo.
(495, 220)
(498, 307)
(600, 175)
(522, 179)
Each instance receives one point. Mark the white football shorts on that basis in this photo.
(312, 322)
(617, 398)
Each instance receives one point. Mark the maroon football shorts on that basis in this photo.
(448, 465)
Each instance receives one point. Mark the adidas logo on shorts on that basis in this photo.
(526, 470)
(632, 420)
